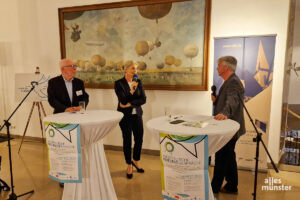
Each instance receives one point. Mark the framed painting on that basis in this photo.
(168, 39)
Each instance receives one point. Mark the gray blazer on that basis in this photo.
(228, 102)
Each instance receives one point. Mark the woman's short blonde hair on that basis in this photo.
(128, 64)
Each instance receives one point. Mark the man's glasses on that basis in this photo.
(71, 66)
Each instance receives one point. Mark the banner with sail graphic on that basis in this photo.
(64, 152)
(184, 167)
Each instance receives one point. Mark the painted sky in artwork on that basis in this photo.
(114, 33)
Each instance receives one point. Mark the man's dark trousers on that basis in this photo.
(225, 167)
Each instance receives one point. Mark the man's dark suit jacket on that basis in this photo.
(138, 98)
(228, 102)
(58, 96)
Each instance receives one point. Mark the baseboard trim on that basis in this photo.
(26, 138)
(289, 168)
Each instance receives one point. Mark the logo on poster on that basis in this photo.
(51, 132)
(169, 147)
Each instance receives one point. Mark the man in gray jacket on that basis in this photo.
(228, 105)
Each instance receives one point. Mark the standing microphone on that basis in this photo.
(213, 89)
(134, 79)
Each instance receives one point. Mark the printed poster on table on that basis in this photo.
(64, 152)
(184, 162)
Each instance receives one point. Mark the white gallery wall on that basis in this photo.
(29, 37)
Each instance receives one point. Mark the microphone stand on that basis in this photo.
(3, 184)
(13, 196)
(257, 139)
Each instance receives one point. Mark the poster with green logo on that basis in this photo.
(184, 162)
(64, 152)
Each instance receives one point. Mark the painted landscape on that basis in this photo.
(165, 40)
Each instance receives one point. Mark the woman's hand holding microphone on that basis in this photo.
(134, 84)
(133, 87)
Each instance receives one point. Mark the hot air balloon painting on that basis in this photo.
(155, 12)
(167, 39)
(191, 51)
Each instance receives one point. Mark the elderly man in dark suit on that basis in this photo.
(65, 91)
(227, 105)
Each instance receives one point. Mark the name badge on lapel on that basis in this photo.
(79, 92)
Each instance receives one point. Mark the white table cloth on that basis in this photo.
(218, 132)
(96, 180)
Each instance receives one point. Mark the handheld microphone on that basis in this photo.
(134, 79)
(213, 89)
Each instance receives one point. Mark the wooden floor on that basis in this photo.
(30, 172)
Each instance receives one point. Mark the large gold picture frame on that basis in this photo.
(168, 39)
